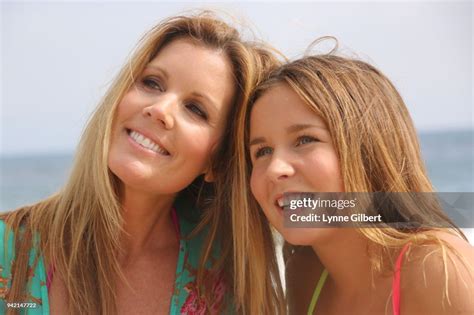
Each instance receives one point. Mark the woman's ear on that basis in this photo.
(209, 175)
(209, 170)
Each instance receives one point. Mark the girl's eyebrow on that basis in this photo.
(290, 129)
(256, 141)
(299, 127)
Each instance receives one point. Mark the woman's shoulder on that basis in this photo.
(6, 245)
(6, 258)
(36, 291)
(2, 228)
(8, 232)
(438, 277)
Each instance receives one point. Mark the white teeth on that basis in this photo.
(280, 202)
(147, 143)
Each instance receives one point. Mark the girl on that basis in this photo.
(332, 124)
(117, 238)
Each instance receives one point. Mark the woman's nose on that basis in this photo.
(280, 168)
(162, 111)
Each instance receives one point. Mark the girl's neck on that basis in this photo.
(345, 256)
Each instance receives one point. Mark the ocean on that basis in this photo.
(25, 179)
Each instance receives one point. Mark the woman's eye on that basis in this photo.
(263, 151)
(195, 109)
(305, 139)
(152, 84)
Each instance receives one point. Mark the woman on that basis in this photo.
(117, 238)
(332, 124)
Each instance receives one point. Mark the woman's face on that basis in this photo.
(291, 151)
(168, 123)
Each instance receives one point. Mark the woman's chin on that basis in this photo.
(130, 172)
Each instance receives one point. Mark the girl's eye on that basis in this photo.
(305, 139)
(195, 109)
(263, 151)
(152, 84)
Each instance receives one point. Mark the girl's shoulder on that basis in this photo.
(438, 278)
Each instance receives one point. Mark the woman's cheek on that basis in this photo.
(198, 147)
(129, 104)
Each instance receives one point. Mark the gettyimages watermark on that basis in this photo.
(407, 210)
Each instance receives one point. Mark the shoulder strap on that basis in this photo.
(396, 281)
(317, 291)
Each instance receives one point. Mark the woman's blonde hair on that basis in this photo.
(80, 226)
(375, 141)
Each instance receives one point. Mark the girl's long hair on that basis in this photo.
(376, 143)
(79, 228)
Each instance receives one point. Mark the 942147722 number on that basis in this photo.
(21, 305)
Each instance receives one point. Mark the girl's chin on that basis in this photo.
(305, 236)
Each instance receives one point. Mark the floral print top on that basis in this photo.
(185, 298)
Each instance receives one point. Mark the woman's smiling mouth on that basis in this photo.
(146, 142)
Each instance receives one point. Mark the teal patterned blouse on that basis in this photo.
(185, 299)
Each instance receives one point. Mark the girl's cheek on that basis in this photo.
(256, 182)
(252, 183)
(258, 195)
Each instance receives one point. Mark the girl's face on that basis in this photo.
(291, 151)
(168, 123)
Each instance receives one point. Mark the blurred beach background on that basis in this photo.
(58, 58)
(25, 179)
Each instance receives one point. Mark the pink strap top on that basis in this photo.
(396, 281)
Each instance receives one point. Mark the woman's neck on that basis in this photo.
(147, 222)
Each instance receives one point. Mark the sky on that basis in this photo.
(57, 58)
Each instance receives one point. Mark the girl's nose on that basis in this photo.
(280, 168)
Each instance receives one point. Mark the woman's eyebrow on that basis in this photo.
(205, 97)
(158, 69)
